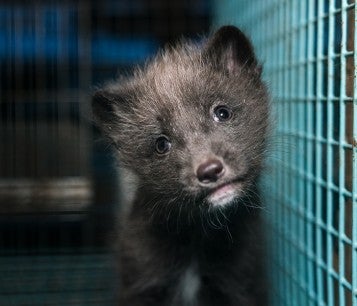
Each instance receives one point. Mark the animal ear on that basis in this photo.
(231, 50)
(106, 110)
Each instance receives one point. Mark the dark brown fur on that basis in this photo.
(172, 240)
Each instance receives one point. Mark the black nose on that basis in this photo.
(210, 171)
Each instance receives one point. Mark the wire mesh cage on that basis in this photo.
(308, 49)
(59, 188)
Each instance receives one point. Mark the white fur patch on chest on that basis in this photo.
(188, 286)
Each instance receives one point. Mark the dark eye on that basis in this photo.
(162, 145)
(222, 113)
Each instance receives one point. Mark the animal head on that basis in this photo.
(192, 123)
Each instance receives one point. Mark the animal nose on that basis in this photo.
(210, 171)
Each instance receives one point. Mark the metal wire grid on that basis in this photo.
(308, 51)
(45, 181)
(56, 186)
(45, 76)
(61, 279)
(44, 81)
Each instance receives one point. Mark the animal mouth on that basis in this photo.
(231, 182)
(225, 192)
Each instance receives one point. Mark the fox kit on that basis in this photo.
(191, 127)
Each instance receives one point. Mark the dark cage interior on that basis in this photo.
(58, 183)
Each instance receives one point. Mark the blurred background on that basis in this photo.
(59, 189)
(58, 182)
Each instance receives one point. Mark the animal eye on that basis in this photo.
(222, 113)
(162, 145)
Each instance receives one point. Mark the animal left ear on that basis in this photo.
(231, 50)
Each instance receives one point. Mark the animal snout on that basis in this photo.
(210, 171)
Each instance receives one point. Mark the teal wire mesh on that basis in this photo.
(58, 279)
(307, 48)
